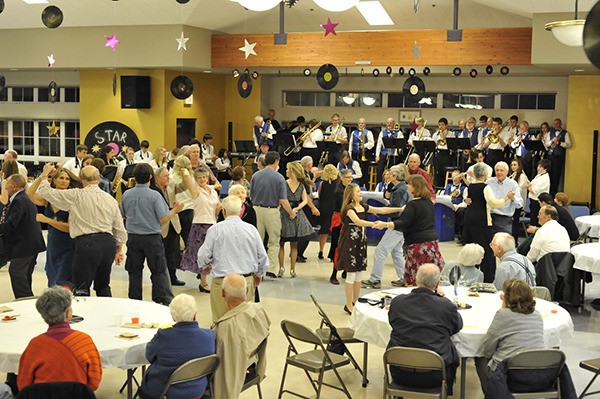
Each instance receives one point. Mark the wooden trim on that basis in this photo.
(506, 46)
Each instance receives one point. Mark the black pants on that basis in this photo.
(431, 379)
(148, 248)
(172, 251)
(534, 210)
(20, 272)
(92, 262)
(556, 168)
(442, 160)
(185, 218)
(482, 236)
(516, 225)
(493, 157)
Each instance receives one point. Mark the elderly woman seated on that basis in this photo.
(60, 354)
(171, 347)
(469, 256)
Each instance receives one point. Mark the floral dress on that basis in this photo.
(352, 246)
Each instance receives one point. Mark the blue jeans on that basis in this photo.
(391, 242)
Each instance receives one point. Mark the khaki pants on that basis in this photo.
(269, 220)
(217, 302)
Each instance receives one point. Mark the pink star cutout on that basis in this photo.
(111, 41)
(329, 27)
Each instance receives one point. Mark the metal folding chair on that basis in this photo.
(253, 378)
(592, 365)
(537, 359)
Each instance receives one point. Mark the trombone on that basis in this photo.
(288, 151)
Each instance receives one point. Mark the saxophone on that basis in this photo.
(363, 139)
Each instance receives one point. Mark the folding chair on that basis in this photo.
(252, 376)
(344, 335)
(542, 293)
(537, 359)
(56, 390)
(592, 365)
(579, 210)
(315, 361)
(525, 220)
(420, 360)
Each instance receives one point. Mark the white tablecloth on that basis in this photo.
(587, 257)
(98, 322)
(592, 222)
(370, 323)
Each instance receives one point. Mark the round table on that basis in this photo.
(591, 222)
(587, 257)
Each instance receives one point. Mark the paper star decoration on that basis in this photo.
(248, 48)
(124, 148)
(416, 51)
(53, 129)
(182, 40)
(329, 27)
(95, 148)
(51, 60)
(111, 41)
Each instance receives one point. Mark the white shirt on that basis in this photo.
(419, 134)
(551, 237)
(207, 153)
(370, 143)
(73, 165)
(23, 170)
(487, 167)
(331, 130)
(140, 156)
(437, 136)
(547, 140)
(505, 135)
(311, 140)
(380, 144)
(270, 132)
(539, 184)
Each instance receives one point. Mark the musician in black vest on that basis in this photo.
(495, 141)
(556, 141)
(443, 157)
(360, 145)
(384, 157)
(262, 131)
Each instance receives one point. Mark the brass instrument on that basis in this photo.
(363, 139)
(412, 147)
(494, 137)
(442, 141)
(334, 136)
(116, 183)
(288, 151)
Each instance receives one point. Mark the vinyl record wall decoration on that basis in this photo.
(591, 36)
(244, 85)
(414, 88)
(2, 82)
(52, 17)
(52, 92)
(181, 87)
(327, 76)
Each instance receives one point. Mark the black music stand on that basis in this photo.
(537, 149)
(458, 144)
(128, 172)
(284, 140)
(333, 150)
(397, 146)
(424, 148)
(110, 172)
(244, 146)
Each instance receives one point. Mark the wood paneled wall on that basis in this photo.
(506, 46)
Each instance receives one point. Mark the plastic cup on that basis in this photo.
(135, 318)
(117, 319)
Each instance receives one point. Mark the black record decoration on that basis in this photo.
(1, 6)
(182, 87)
(414, 88)
(591, 35)
(2, 82)
(52, 92)
(183, 1)
(244, 85)
(327, 76)
(52, 17)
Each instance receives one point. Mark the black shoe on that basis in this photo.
(177, 282)
(300, 259)
(347, 310)
(321, 255)
(204, 288)
(271, 274)
(344, 274)
(333, 280)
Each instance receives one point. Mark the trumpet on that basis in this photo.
(288, 151)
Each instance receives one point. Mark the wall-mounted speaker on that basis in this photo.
(135, 91)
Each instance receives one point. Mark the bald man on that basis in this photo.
(96, 225)
(414, 161)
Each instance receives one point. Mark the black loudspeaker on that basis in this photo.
(135, 91)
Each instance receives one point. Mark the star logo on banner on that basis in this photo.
(248, 48)
(416, 51)
(124, 148)
(51, 60)
(111, 41)
(53, 129)
(95, 148)
(329, 27)
(181, 42)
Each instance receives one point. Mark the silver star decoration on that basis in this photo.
(416, 51)
(181, 42)
(248, 48)
(51, 60)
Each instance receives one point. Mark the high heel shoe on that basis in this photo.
(320, 254)
(347, 310)
(204, 288)
(281, 271)
(292, 273)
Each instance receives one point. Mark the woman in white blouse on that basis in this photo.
(539, 184)
(517, 174)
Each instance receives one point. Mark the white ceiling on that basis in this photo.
(229, 17)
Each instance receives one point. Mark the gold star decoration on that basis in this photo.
(53, 129)
(95, 148)
(124, 148)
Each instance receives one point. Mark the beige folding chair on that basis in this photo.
(252, 377)
(314, 361)
(538, 359)
(542, 293)
(420, 360)
(592, 365)
(345, 335)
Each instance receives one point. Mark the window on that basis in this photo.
(71, 94)
(305, 98)
(49, 145)
(363, 100)
(468, 101)
(3, 136)
(399, 100)
(72, 139)
(4, 94)
(528, 101)
(23, 137)
(22, 94)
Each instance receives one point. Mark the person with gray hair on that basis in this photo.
(21, 233)
(240, 331)
(392, 240)
(501, 184)
(96, 225)
(172, 347)
(424, 319)
(248, 214)
(232, 246)
(469, 256)
(512, 264)
(12, 154)
(61, 354)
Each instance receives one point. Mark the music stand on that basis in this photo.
(424, 148)
(110, 172)
(284, 140)
(244, 146)
(458, 144)
(128, 172)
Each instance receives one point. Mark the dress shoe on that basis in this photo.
(320, 254)
(271, 275)
(204, 288)
(347, 310)
(333, 280)
(177, 282)
(370, 284)
(398, 283)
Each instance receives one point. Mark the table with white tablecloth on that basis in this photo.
(589, 224)
(587, 257)
(98, 322)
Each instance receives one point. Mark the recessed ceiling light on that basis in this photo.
(374, 13)
(36, 1)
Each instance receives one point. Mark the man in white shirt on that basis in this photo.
(361, 143)
(383, 154)
(143, 155)
(12, 154)
(502, 218)
(496, 150)
(74, 164)
(338, 132)
(309, 145)
(479, 156)
(129, 160)
(551, 237)
(539, 184)
(207, 149)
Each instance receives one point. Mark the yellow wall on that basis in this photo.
(241, 111)
(583, 118)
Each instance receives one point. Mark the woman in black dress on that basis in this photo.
(329, 181)
(336, 221)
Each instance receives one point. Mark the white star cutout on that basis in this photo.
(51, 60)
(248, 48)
(182, 41)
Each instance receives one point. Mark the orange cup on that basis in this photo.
(135, 318)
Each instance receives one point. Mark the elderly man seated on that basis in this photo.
(551, 237)
(60, 354)
(424, 319)
(239, 333)
(171, 347)
(512, 264)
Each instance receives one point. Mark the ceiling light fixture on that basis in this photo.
(374, 13)
(368, 100)
(36, 1)
(349, 100)
(336, 5)
(258, 5)
(568, 32)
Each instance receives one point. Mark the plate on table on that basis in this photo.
(9, 318)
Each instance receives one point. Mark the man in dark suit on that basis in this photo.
(424, 319)
(22, 235)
